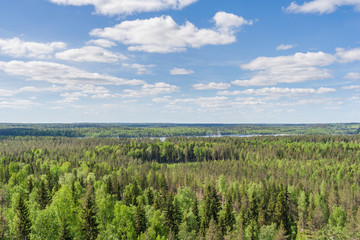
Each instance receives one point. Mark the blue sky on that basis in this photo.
(183, 61)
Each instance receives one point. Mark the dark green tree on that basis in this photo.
(90, 225)
(24, 223)
(229, 215)
(42, 199)
(140, 220)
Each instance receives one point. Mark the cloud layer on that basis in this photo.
(322, 6)
(164, 35)
(90, 54)
(211, 86)
(61, 74)
(114, 7)
(15, 47)
(299, 67)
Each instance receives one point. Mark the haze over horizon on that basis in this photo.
(179, 61)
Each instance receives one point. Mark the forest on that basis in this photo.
(260, 187)
(138, 130)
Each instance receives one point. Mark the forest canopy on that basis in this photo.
(265, 187)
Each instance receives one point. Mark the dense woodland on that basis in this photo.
(132, 130)
(289, 187)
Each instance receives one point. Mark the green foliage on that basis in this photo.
(47, 225)
(183, 188)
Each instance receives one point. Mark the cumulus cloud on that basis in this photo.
(140, 68)
(114, 7)
(181, 71)
(15, 47)
(226, 22)
(61, 74)
(352, 76)
(211, 86)
(151, 90)
(102, 43)
(322, 6)
(90, 54)
(277, 92)
(346, 56)
(164, 35)
(285, 47)
(299, 67)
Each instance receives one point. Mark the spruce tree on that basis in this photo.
(172, 214)
(90, 226)
(211, 208)
(42, 195)
(140, 220)
(195, 210)
(24, 223)
(229, 215)
(65, 232)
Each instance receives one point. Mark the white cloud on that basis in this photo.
(140, 68)
(90, 54)
(162, 99)
(352, 87)
(352, 76)
(213, 103)
(285, 47)
(181, 71)
(277, 92)
(164, 35)
(211, 86)
(71, 97)
(151, 90)
(114, 7)
(226, 22)
(18, 104)
(346, 56)
(15, 47)
(61, 74)
(102, 43)
(299, 67)
(322, 6)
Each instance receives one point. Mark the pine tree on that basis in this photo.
(140, 220)
(24, 224)
(90, 226)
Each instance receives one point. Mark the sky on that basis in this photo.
(180, 61)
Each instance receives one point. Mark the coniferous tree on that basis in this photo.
(229, 215)
(43, 199)
(90, 225)
(24, 223)
(65, 232)
(172, 214)
(140, 220)
(195, 210)
(211, 208)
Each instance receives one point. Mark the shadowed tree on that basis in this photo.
(24, 223)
